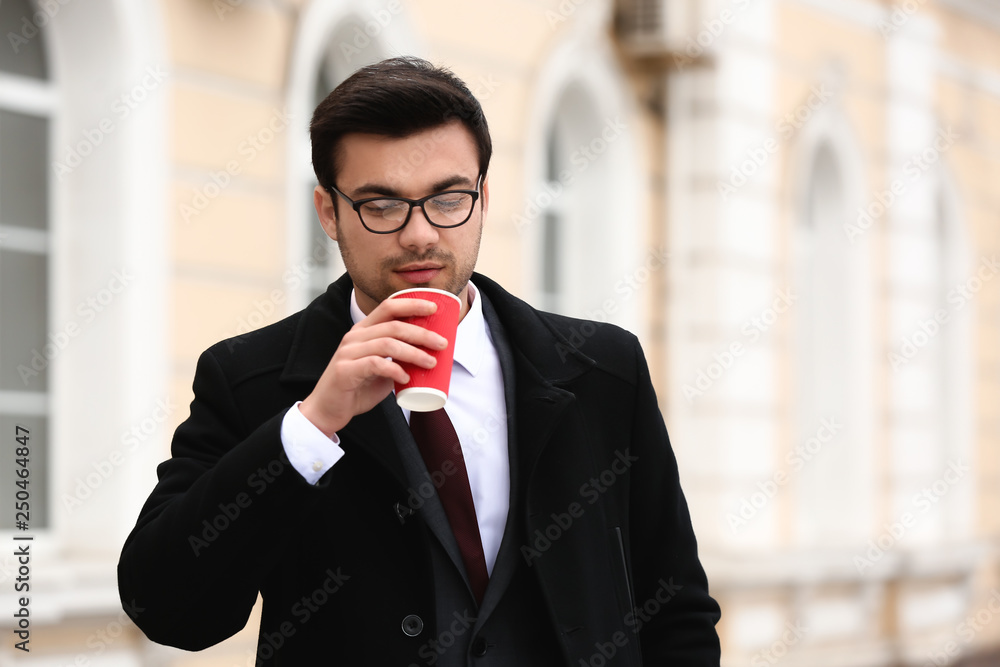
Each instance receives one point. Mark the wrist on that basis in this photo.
(327, 424)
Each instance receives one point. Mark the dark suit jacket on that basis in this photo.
(602, 521)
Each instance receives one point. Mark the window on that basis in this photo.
(583, 211)
(26, 349)
(317, 261)
(830, 361)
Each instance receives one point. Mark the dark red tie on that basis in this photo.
(442, 452)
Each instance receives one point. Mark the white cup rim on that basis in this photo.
(421, 399)
(426, 289)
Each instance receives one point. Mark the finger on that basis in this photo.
(382, 367)
(389, 347)
(404, 331)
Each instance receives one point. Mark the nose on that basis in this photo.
(418, 233)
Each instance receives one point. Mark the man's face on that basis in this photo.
(419, 255)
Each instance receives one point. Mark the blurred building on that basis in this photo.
(792, 202)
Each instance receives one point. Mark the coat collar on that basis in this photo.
(538, 375)
(534, 337)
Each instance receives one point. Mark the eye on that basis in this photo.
(383, 207)
(450, 201)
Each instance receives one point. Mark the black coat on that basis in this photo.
(606, 528)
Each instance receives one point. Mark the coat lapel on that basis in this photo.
(541, 363)
(431, 510)
(533, 407)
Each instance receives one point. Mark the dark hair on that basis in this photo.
(395, 98)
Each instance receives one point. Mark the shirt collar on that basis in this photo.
(471, 339)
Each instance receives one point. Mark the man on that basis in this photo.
(298, 476)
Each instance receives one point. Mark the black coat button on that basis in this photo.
(412, 625)
(479, 647)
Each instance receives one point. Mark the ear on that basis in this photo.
(486, 195)
(326, 211)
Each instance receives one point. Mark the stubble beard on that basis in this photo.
(377, 286)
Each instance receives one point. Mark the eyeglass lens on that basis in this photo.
(447, 208)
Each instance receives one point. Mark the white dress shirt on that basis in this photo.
(475, 406)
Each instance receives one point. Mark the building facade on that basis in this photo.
(790, 202)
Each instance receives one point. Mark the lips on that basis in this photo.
(418, 273)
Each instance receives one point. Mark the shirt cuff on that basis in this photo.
(308, 449)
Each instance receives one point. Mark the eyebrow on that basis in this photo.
(377, 189)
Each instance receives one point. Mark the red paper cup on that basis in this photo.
(428, 387)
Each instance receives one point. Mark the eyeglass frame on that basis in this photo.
(356, 205)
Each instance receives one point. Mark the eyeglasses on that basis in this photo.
(385, 215)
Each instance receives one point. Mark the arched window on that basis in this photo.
(335, 39)
(584, 236)
(27, 100)
(822, 308)
(339, 62)
(832, 358)
(585, 212)
(572, 204)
